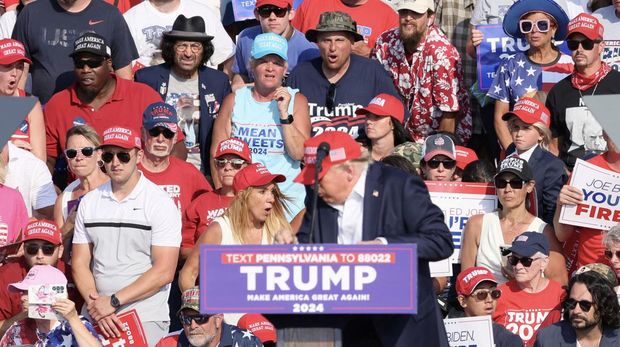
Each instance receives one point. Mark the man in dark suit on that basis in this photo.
(368, 203)
(183, 81)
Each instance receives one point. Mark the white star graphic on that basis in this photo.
(247, 334)
(531, 71)
(530, 89)
(519, 81)
(321, 248)
(294, 248)
(502, 69)
(497, 89)
(521, 63)
(507, 81)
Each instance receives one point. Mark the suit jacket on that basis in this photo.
(562, 334)
(397, 206)
(213, 87)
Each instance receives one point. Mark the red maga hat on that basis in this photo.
(255, 175)
(530, 111)
(385, 105)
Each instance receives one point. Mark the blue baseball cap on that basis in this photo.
(160, 114)
(269, 43)
(529, 243)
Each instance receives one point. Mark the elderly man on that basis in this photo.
(426, 69)
(360, 202)
(183, 81)
(129, 230)
(274, 16)
(338, 83)
(572, 124)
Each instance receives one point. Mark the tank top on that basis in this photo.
(258, 124)
(66, 197)
(228, 238)
(492, 240)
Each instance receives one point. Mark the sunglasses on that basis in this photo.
(526, 26)
(235, 163)
(199, 319)
(526, 261)
(155, 132)
(570, 304)
(73, 152)
(33, 248)
(447, 164)
(609, 254)
(483, 294)
(265, 11)
(123, 157)
(330, 101)
(514, 183)
(91, 63)
(587, 44)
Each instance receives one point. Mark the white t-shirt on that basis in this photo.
(147, 25)
(609, 20)
(7, 22)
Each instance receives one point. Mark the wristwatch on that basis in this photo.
(114, 301)
(287, 120)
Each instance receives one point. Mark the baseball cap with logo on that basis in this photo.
(121, 137)
(12, 51)
(342, 147)
(160, 114)
(438, 144)
(255, 175)
(417, 6)
(587, 25)
(260, 326)
(530, 111)
(190, 299)
(470, 278)
(601, 270)
(40, 274)
(464, 156)
(43, 229)
(269, 43)
(385, 105)
(91, 43)
(334, 21)
(530, 243)
(516, 166)
(234, 146)
(278, 3)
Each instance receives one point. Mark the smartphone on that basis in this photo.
(40, 300)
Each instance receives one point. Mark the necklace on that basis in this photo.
(581, 95)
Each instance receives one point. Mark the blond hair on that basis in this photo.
(84, 130)
(3, 170)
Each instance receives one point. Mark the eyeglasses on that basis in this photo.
(265, 11)
(330, 101)
(587, 44)
(609, 254)
(447, 164)
(526, 261)
(91, 63)
(570, 304)
(155, 132)
(235, 163)
(73, 152)
(182, 47)
(199, 319)
(33, 248)
(526, 26)
(123, 157)
(514, 183)
(483, 294)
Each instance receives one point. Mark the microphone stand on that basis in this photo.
(315, 198)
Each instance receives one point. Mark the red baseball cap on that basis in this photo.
(234, 146)
(43, 229)
(279, 3)
(255, 175)
(587, 25)
(12, 51)
(469, 279)
(464, 156)
(260, 326)
(530, 111)
(342, 147)
(385, 105)
(121, 137)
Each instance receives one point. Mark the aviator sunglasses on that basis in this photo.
(526, 26)
(265, 11)
(585, 305)
(235, 163)
(123, 157)
(609, 254)
(73, 152)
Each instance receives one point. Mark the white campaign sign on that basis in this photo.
(601, 197)
(470, 331)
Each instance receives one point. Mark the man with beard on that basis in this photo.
(591, 315)
(426, 70)
(48, 28)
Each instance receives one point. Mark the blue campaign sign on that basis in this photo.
(309, 279)
(244, 9)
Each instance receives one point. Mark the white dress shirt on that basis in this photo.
(351, 214)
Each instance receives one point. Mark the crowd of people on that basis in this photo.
(163, 125)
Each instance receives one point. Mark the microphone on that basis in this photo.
(321, 152)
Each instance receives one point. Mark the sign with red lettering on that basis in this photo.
(469, 331)
(133, 335)
(601, 197)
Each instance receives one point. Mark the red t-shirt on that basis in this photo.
(372, 18)
(522, 313)
(200, 213)
(124, 109)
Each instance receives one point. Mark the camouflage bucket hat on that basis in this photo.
(411, 151)
(334, 21)
(601, 269)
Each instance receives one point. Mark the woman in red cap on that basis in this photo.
(31, 133)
